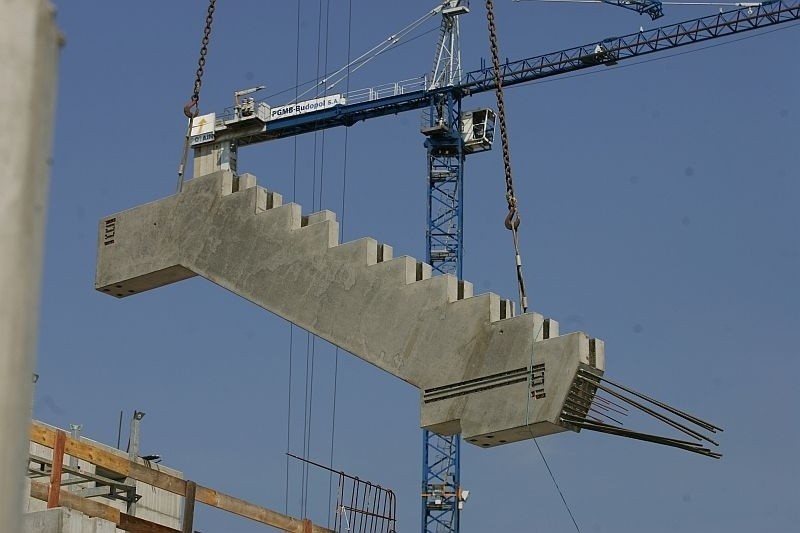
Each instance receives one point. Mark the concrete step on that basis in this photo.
(430, 331)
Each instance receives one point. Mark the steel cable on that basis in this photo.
(341, 239)
(512, 218)
(291, 326)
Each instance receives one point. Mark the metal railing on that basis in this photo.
(387, 90)
(368, 94)
(361, 506)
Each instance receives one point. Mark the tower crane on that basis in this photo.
(452, 134)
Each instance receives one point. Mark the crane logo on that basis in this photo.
(203, 128)
(307, 106)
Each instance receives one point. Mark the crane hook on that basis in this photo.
(188, 109)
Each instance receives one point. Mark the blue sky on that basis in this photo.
(659, 206)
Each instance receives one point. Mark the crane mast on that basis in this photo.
(441, 124)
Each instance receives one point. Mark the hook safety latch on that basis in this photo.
(512, 219)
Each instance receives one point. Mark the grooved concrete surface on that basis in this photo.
(471, 358)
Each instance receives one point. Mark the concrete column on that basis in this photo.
(213, 157)
(29, 42)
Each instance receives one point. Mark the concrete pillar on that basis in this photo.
(29, 42)
(213, 157)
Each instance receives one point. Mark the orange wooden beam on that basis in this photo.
(92, 508)
(55, 472)
(47, 436)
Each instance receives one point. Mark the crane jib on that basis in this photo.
(610, 50)
(604, 52)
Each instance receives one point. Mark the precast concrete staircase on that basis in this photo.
(483, 372)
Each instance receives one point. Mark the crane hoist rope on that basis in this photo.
(512, 219)
(192, 108)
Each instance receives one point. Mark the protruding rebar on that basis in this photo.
(686, 416)
(585, 397)
(680, 427)
(622, 432)
(599, 401)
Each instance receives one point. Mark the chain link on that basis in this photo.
(192, 109)
(512, 219)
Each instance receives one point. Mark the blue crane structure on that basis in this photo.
(452, 134)
(603, 52)
(652, 8)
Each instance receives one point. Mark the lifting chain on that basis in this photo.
(512, 219)
(192, 109)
